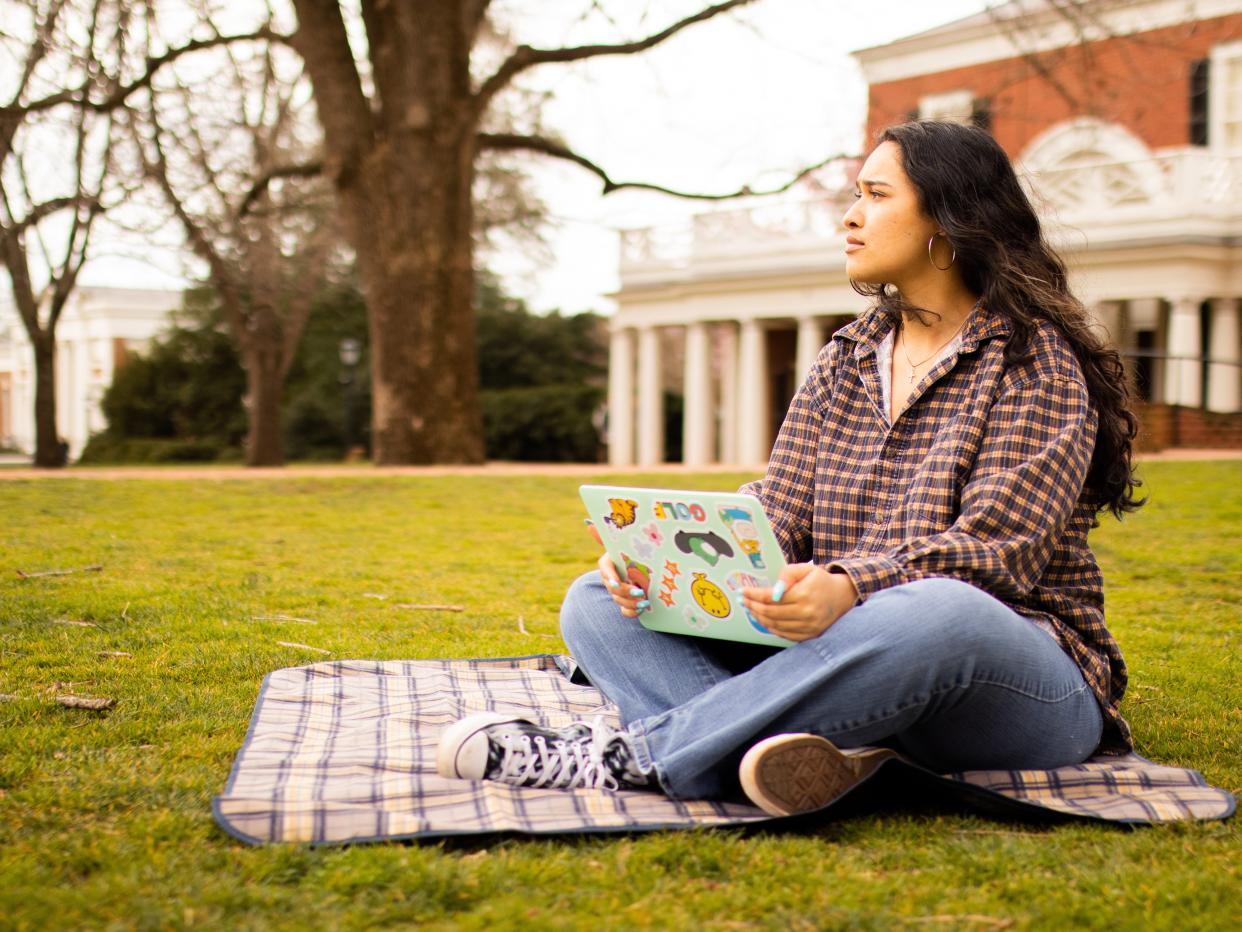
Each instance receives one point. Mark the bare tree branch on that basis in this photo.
(156, 168)
(81, 95)
(259, 188)
(39, 48)
(1046, 64)
(550, 147)
(527, 57)
(40, 211)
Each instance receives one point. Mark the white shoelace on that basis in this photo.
(566, 764)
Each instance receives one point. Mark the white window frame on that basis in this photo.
(955, 106)
(1220, 57)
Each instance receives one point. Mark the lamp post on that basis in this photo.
(350, 351)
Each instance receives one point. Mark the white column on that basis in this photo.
(810, 342)
(728, 393)
(754, 440)
(699, 425)
(83, 387)
(1182, 382)
(621, 397)
(67, 404)
(23, 397)
(650, 398)
(1225, 345)
(1108, 315)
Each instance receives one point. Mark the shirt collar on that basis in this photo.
(868, 330)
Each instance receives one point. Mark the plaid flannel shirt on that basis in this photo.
(979, 479)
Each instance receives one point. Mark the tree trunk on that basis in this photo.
(403, 167)
(412, 215)
(262, 357)
(49, 453)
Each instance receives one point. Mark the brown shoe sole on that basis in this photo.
(788, 774)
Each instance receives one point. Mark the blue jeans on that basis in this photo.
(937, 669)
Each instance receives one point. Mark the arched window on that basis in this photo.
(1086, 163)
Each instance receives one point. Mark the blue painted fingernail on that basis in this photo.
(613, 583)
(636, 592)
(644, 605)
(778, 590)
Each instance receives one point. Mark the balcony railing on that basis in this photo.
(1088, 188)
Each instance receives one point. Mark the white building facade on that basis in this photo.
(97, 329)
(1151, 235)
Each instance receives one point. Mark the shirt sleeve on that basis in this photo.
(787, 489)
(1026, 482)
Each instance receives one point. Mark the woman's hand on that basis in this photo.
(629, 597)
(808, 603)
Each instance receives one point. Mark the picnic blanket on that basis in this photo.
(344, 751)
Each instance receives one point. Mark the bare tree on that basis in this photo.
(73, 67)
(405, 123)
(212, 152)
(49, 206)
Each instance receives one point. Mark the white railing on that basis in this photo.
(1189, 179)
(757, 227)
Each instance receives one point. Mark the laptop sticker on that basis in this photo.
(739, 580)
(742, 525)
(710, 597)
(668, 584)
(694, 619)
(624, 512)
(637, 573)
(708, 546)
(643, 546)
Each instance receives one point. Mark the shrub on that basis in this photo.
(106, 449)
(550, 423)
(188, 386)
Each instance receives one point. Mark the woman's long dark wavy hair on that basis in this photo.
(966, 183)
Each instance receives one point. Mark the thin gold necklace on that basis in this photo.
(913, 365)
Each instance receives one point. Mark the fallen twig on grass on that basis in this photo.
(374, 595)
(93, 568)
(303, 646)
(86, 702)
(7, 697)
(429, 608)
(522, 629)
(301, 621)
(74, 622)
(115, 653)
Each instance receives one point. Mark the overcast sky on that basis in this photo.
(745, 98)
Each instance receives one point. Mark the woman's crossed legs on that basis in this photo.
(937, 668)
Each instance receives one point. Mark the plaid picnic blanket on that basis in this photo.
(345, 752)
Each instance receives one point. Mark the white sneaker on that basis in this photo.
(792, 773)
(495, 746)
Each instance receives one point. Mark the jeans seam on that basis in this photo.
(921, 699)
(985, 680)
(702, 670)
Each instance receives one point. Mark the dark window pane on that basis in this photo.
(1199, 102)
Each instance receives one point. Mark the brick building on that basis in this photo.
(1124, 117)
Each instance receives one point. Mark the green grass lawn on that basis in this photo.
(105, 816)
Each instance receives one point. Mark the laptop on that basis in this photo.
(692, 553)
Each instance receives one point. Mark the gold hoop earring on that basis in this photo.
(933, 261)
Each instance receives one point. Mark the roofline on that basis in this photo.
(979, 40)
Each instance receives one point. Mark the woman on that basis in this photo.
(932, 487)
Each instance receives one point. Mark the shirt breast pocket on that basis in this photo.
(932, 502)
